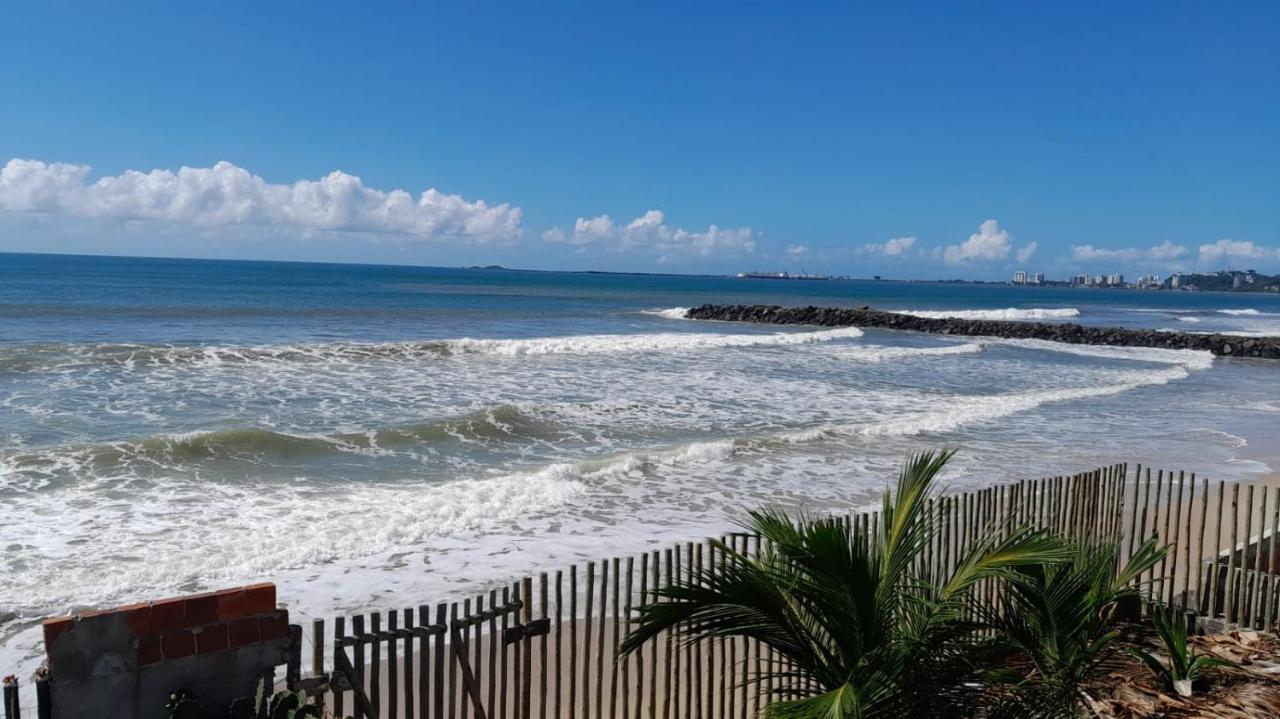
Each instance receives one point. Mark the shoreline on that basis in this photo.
(1222, 345)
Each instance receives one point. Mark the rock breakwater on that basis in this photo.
(1071, 333)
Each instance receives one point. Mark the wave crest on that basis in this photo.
(1009, 313)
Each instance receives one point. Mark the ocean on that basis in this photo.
(378, 436)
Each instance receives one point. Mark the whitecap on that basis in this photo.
(1009, 313)
(671, 313)
(880, 353)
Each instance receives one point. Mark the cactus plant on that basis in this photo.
(281, 705)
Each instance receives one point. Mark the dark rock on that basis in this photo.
(1065, 332)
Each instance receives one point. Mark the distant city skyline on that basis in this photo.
(659, 138)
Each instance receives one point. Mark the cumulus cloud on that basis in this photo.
(1025, 253)
(1235, 249)
(1167, 251)
(1089, 253)
(988, 243)
(1164, 252)
(797, 250)
(229, 195)
(649, 232)
(892, 248)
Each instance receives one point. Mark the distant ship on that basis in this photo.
(782, 276)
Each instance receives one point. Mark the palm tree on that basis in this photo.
(866, 629)
(1059, 618)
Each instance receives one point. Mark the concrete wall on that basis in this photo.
(124, 662)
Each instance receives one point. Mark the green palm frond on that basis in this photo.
(868, 631)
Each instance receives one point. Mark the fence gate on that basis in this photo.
(473, 661)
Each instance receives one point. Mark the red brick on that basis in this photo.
(149, 650)
(231, 604)
(260, 598)
(210, 639)
(242, 631)
(201, 609)
(168, 614)
(275, 626)
(54, 628)
(181, 643)
(139, 618)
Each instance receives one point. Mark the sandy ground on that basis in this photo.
(593, 688)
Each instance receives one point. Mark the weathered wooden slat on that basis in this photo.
(525, 648)
(504, 658)
(393, 673)
(424, 664)
(655, 578)
(1257, 597)
(601, 657)
(586, 644)
(1270, 597)
(476, 645)
(339, 633)
(1202, 604)
(614, 638)
(1215, 578)
(628, 588)
(407, 615)
(317, 656)
(573, 642)
(670, 655)
(1231, 583)
(460, 658)
(453, 663)
(1191, 560)
(1242, 589)
(491, 668)
(357, 627)
(557, 672)
(542, 646)
(1134, 532)
(1176, 513)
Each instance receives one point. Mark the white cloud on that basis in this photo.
(1026, 252)
(1164, 252)
(1237, 249)
(1089, 253)
(988, 243)
(649, 232)
(891, 248)
(229, 195)
(797, 250)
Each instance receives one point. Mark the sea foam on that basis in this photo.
(1009, 313)
(671, 313)
(879, 353)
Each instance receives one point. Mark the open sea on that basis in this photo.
(372, 436)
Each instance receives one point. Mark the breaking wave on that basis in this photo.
(1010, 313)
(1246, 312)
(877, 353)
(671, 313)
(1191, 359)
(143, 356)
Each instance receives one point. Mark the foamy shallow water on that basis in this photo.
(381, 468)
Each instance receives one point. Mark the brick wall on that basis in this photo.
(129, 659)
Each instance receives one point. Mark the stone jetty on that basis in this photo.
(1218, 344)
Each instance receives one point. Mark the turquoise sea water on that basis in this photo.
(375, 434)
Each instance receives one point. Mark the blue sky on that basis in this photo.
(905, 139)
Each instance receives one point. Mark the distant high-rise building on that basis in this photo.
(1020, 277)
(1039, 278)
(1176, 280)
(1081, 279)
(1115, 279)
